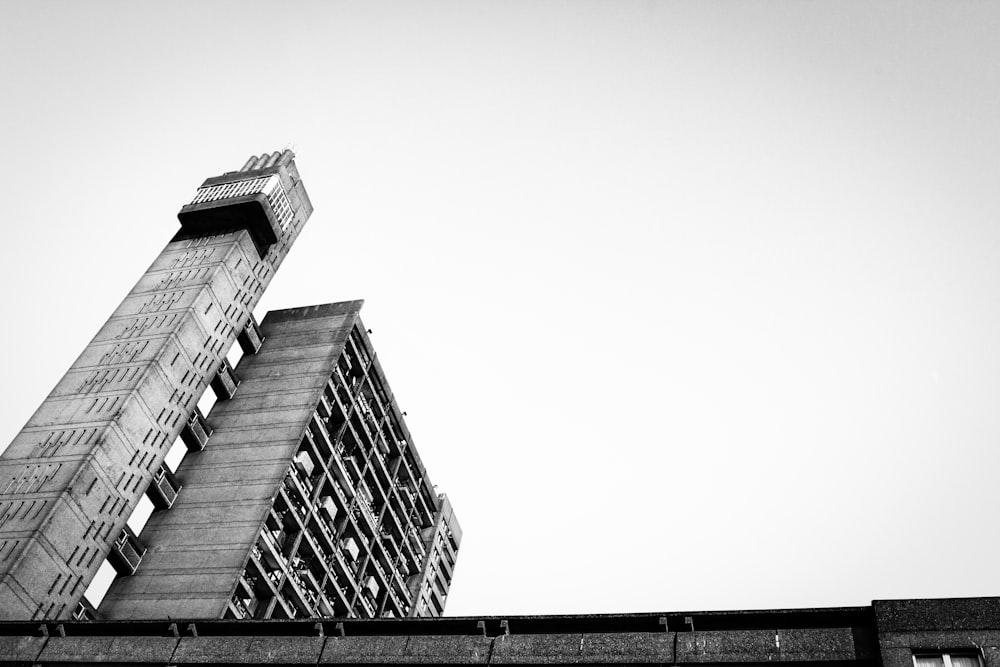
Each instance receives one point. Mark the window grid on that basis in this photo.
(323, 553)
(270, 186)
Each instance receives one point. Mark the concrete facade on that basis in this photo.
(887, 633)
(308, 500)
(301, 494)
(73, 475)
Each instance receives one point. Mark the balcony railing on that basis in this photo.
(272, 554)
(297, 495)
(350, 548)
(366, 513)
(225, 382)
(83, 611)
(196, 432)
(250, 338)
(328, 508)
(304, 465)
(371, 588)
(343, 480)
(320, 436)
(163, 490)
(367, 606)
(417, 543)
(126, 553)
(325, 529)
(352, 469)
(242, 609)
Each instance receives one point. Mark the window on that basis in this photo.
(956, 659)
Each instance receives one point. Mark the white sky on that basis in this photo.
(692, 305)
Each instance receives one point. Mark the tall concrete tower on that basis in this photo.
(73, 475)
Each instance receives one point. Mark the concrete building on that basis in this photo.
(891, 633)
(301, 527)
(302, 494)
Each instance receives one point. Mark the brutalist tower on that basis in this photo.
(301, 494)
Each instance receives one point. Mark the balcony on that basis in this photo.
(395, 526)
(343, 479)
(297, 597)
(324, 408)
(371, 588)
(320, 436)
(425, 514)
(411, 560)
(416, 542)
(239, 610)
(397, 579)
(250, 338)
(367, 606)
(340, 493)
(126, 553)
(328, 508)
(196, 432)
(245, 586)
(326, 608)
(330, 543)
(365, 511)
(304, 465)
(378, 465)
(381, 571)
(352, 470)
(163, 490)
(225, 382)
(350, 548)
(271, 552)
(296, 496)
(397, 602)
(361, 428)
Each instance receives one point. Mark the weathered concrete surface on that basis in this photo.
(72, 477)
(939, 614)
(198, 549)
(944, 625)
(19, 648)
(249, 650)
(816, 644)
(590, 648)
(727, 646)
(364, 650)
(108, 649)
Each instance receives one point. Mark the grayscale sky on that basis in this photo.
(692, 305)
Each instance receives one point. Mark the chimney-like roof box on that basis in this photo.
(252, 198)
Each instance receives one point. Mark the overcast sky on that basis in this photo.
(692, 305)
